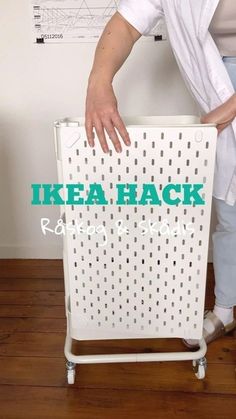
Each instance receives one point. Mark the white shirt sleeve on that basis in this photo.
(142, 14)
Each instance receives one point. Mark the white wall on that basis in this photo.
(41, 83)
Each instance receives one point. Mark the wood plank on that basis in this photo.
(19, 285)
(51, 297)
(32, 344)
(45, 268)
(31, 268)
(45, 298)
(52, 345)
(32, 325)
(31, 284)
(48, 298)
(162, 376)
(53, 312)
(70, 403)
(34, 283)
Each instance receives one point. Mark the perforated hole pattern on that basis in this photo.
(138, 286)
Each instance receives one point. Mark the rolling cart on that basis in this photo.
(138, 270)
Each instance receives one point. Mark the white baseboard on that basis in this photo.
(210, 255)
(29, 252)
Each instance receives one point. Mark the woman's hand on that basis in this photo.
(113, 48)
(223, 115)
(103, 115)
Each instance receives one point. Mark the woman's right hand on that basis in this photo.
(113, 48)
(103, 116)
(223, 115)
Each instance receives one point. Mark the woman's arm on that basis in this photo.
(113, 48)
(223, 115)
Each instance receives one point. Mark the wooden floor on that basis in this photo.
(32, 366)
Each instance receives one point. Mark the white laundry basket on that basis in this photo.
(143, 283)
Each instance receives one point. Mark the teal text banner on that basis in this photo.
(125, 194)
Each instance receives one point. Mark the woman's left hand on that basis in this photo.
(223, 115)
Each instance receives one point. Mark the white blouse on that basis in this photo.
(201, 66)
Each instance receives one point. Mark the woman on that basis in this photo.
(203, 38)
